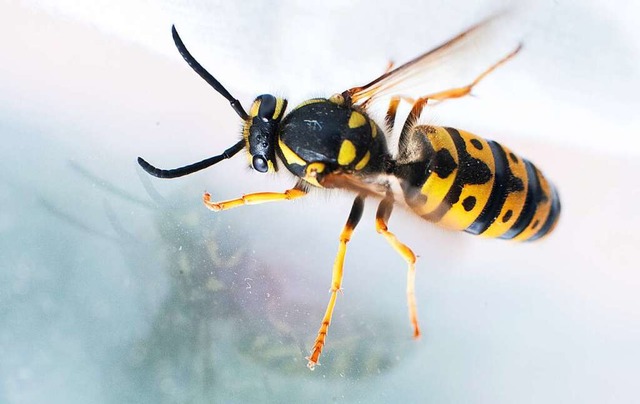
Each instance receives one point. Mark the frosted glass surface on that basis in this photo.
(118, 287)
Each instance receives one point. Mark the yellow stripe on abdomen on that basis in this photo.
(473, 196)
(542, 211)
(515, 187)
(463, 182)
(438, 185)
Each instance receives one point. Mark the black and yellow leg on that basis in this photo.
(466, 90)
(256, 198)
(336, 279)
(390, 117)
(382, 217)
(412, 118)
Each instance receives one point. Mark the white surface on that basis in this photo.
(100, 83)
(577, 73)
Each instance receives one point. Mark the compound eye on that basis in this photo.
(267, 107)
(260, 164)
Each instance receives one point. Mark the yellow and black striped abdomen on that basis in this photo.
(464, 182)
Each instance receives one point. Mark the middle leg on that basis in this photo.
(390, 117)
(382, 217)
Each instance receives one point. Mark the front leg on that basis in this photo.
(298, 191)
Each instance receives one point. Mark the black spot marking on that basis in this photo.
(507, 216)
(498, 192)
(554, 214)
(505, 183)
(535, 224)
(471, 171)
(476, 143)
(514, 184)
(444, 164)
(544, 198)
(513, 158)
(469, 203)
(531, 203)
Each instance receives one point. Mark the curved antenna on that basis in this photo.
(191, 168)
(202, 72)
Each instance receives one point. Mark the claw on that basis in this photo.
(206, 198)
(311, 364)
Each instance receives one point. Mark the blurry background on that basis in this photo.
(117, 287)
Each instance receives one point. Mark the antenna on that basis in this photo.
(202, 72)
(192, 168)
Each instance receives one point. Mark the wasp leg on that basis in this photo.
(466, 90)
(382, 217)
(412, 118)
(390, 117)
(253, 199)
(336, 279)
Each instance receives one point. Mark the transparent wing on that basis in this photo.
(455, 63)
(374, 186)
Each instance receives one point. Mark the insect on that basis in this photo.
(447, 176)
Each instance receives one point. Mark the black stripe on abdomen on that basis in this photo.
(554, 214)
(499, 191)
(534, 195)
(470, 171)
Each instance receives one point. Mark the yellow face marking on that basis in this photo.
(289, 155)
(254, 108)
(347, 151)
(374, 129)
(364, 161)
(356, 120)
(278, 111)
(253, 111)
(311, 173)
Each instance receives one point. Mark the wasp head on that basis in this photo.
(261, 131)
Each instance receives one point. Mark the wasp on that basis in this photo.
(447, 176)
